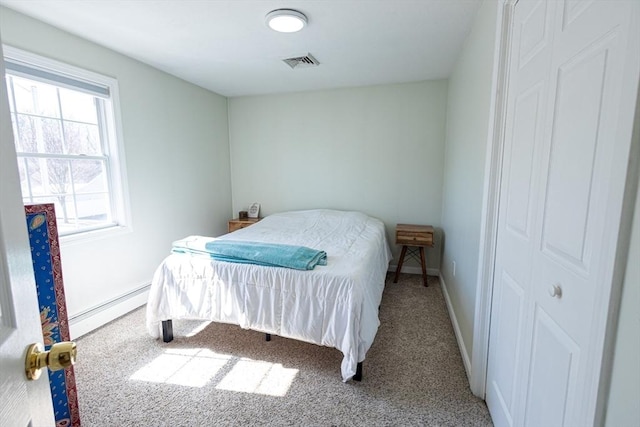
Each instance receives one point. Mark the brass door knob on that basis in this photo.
(61, 355)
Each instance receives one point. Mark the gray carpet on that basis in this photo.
(223, 375)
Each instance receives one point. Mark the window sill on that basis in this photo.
(93, 235)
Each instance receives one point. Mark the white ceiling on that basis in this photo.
(225, 45)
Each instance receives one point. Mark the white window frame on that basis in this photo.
(114, 146)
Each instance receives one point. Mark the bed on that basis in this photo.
(333, 305)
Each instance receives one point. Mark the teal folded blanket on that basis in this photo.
(268, 254)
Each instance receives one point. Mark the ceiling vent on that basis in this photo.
(307, 61)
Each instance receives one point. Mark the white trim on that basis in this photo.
(56, 67)
(118, 183)
(119, 164)
(491, 201)
(97, 316)
(93, 235)
(466, 361)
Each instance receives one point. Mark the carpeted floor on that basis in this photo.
(221, 375)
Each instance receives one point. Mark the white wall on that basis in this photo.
(468, 123)
(375, 149)
(177, 158)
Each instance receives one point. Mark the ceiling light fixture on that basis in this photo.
(286, 20)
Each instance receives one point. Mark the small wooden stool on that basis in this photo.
(415, 237)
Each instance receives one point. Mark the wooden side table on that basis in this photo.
(237, 224)
(415, 237)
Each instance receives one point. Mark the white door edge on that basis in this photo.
(491, 202)
(22, 402)
(621, 244)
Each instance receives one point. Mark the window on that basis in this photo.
(66, 138)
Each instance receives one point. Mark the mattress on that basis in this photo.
(334, 305)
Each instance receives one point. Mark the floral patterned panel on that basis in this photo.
(45, 252)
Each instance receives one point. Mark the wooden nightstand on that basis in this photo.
(237, 224)
(414, 236)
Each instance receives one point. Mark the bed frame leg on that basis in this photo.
(167, 330)
(358, 375)
(267, 337)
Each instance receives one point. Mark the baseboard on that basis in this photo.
(466, 360)
(414, 270)
(94, 317)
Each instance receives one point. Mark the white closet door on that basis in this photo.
(565, 133)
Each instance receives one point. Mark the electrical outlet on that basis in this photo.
(453, 268)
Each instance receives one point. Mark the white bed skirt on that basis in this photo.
(334, 305)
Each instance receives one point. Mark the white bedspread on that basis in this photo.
(334, 305)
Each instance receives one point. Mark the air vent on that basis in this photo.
(307, 61)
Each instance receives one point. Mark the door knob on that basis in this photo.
(61, 355)
(556, 291)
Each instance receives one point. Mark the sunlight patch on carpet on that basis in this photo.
(187, 367)
(195, 367)
(257, 376)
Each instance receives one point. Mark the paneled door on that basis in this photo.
(571, 92)
(22, 402)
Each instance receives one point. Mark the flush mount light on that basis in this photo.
(286, 20)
